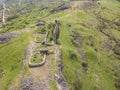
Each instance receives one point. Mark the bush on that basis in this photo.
(1, 73)
(77, 84)
(72, 55)
(117, 82)
(116, 49)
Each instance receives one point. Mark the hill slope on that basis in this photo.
(89, 39)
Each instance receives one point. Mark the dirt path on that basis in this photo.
(39, 78)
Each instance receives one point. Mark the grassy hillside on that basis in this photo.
(89, 37)
(99, 61)
(11, 59)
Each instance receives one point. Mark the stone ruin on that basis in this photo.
(46, 38)
(60, 79)
(32, 50)
(38, 64)
(44, 51)
(56, 31)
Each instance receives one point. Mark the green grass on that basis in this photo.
(11, 55)
(116, 33)
(37, 58)
(72, 66)
(99, 62)
(53, 85)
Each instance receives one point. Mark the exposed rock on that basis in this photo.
(61, 7)
(84, 67)
(44, 51)
(76, 38)
(82, 54)
(4, 38)
(7, 37)
(29, 84)
(41, 23)
(88, 4)
(108, 44)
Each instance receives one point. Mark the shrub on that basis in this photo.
(116, 49)
(77, 84)
(72, 55)
(12, 17)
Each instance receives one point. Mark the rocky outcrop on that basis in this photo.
(7, 37)
(61, 7)
(77, 39)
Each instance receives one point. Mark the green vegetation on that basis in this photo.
(94, 30)
(32, 16)
(99, 64)
(11, 58)
(36, 58)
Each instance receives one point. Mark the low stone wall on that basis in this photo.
(60, 79)
(56, 31)
(38, 64)
(45, 40)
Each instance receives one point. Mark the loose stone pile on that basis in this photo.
(29, 84)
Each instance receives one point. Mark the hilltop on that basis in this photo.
(65, 45)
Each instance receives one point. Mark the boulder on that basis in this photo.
(41, 23)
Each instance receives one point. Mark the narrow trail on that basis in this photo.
(43, 74)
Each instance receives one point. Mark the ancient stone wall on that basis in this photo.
(56, 32)
(38, 64)
(60, 79)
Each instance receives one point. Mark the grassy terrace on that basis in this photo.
(11, 55)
